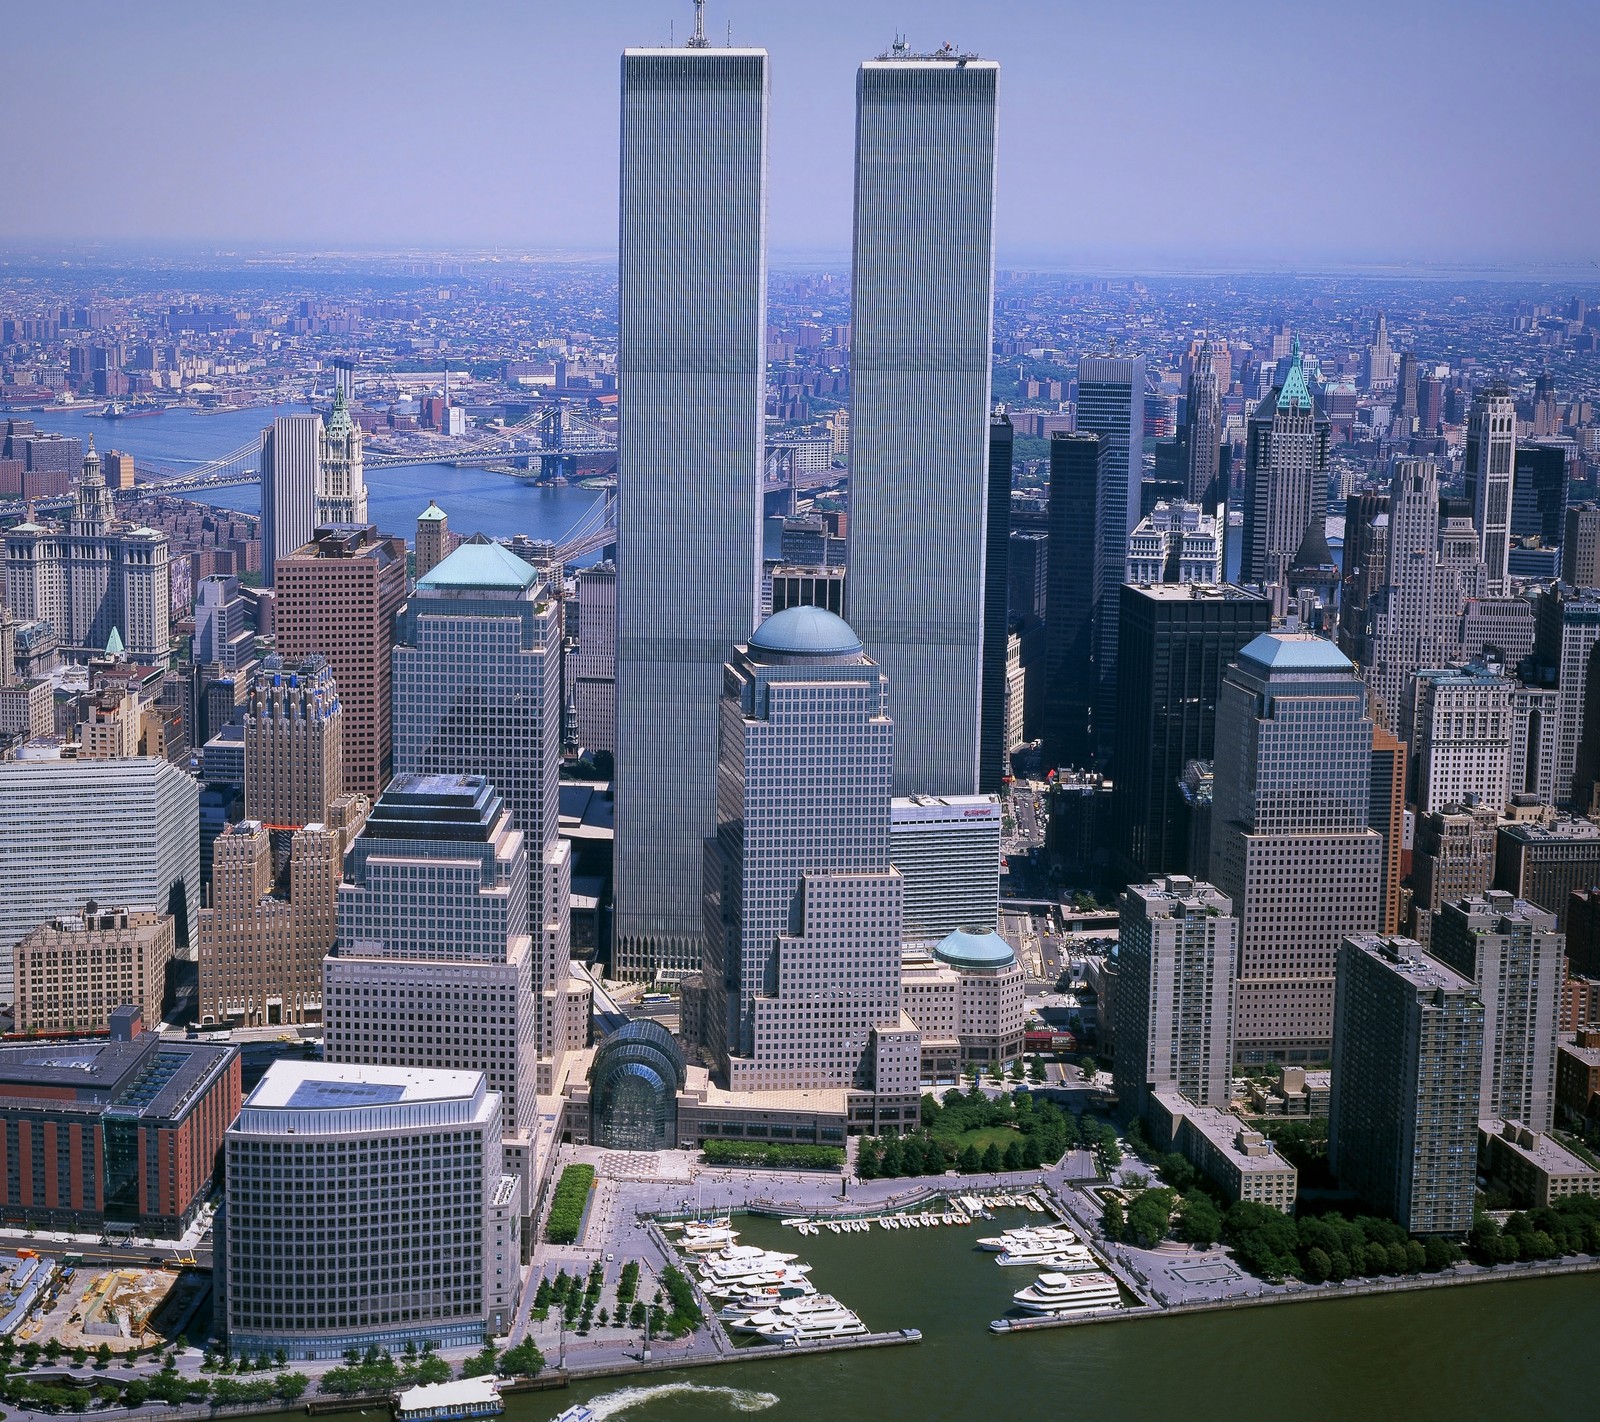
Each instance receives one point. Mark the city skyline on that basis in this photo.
(269, 167)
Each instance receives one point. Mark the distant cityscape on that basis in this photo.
(1130, 743)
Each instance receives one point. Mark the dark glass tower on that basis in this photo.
(996, 616)
(1073, 598)
(1177, 640)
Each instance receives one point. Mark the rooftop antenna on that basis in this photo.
(698, 39)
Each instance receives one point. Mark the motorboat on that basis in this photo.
(839, 1323)
(788, 1310)
(1068, 1258)
(744, 1253)
(1014, 1241)
(1058, 1294)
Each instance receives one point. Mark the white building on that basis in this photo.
(366, 1206)
(291, 453)
(432, 967)
(1463, 725)
(341, 474)
(947, 849)
(124, 832)
(1175, 989)
(1176, 543)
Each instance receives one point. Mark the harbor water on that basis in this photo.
(1434, 1355)
(476, 500)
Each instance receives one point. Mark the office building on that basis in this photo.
(1377, 370)
(1202, 432)
(1580, 546)
(1545, 860)
(1568, 629)
(49, 461)
(807, 999)
(1582, 924)
(122, 832)
(478, 692)
(1512, 951)
(592, 668)
(994, 742)
(798, 586)
(261, 954)
(1452, 858)
(1386, 813)
(433, 965)
(921, 334)
(1175, 986)
(1490, 457)
(96, 579)
(1539, 493)
(224, 631)
(947, 849)
(1073, 597)
(434, 539)
(1407, 1054)
(341, 479)
(965, 996)
(1462, 723)
(291, 451)
(1110, 405)
(1177, 642)
(1175, 543)
(691, 386)
(1432, 568)
(293, 743)
(74, 970)
(1290, 843)
(405, 1231)
(120, 1135)
(337, 597)
(1286, 477)
(1028, 558)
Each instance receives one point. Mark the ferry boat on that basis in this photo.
(449, 1401)
(1060, 1294)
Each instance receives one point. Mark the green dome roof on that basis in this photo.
(968, 948)
(805, 632)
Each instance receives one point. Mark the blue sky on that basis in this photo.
(1187, 134)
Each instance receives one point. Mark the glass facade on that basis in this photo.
(635, 1081)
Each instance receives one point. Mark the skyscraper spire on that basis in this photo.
(698, 39)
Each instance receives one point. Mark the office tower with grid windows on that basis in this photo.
(477, 691)
(1110, 405)
(291, 449)
(1568, 632)
(1407, 1057)
(293, 743)
(1202, 435)
(432, 967)
(338, 597)
(1462, 719)
(367, 1208)
(1072, 598)
(922, 321)
(993, 739)
(691, 386)
(1490, 465)
(1511, 949)
(1290, 843)
(803, 906)
(1580, 546)
(1174, 998)
(592, 668)
(1286, 477)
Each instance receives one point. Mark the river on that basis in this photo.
(476, 500)
(1436, 1355)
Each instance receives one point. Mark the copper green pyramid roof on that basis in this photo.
(432, 514)
(114, 647)
(1295, 390)
(339, 421)
(480, 565)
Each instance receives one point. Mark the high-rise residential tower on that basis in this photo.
(691, 384)
(1290, 843)
(291, 451)
(477, 691)
(993, 740)
(1407, 1052)
(338, 597)
(803, 906)
(1110, 405)
(1174, 998)
(1490, 462)
(922, 320)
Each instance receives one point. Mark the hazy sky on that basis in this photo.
(1186, 132)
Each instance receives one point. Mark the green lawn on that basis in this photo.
(981, 1136)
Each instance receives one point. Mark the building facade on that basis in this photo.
(1490, 459)
(1074, 586)
(293, 743)
(947, 849)
(1286, 477)
(592, 667)
(341, 476)
(291, 448)
(75, 971)
(994, 732)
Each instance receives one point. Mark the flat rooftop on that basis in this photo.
(323, 1086)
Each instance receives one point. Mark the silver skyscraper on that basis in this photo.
(289, 458)
(922, 323)
(691, 382)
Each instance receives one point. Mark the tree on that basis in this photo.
(1318, 1265)
(136, 1393)
(1416, 1256)
(1150, 1216)
(970, 1162)
(1112, 1221)
(1014, 1158)
(1087, 1066)
(1036, 1070)
(894, 1161)
(102, 1356)
(993, 1160)
(867, 1160)
(1199, 1220)
(290, 1387)
(1438, 1254)
(523, 1361)
(1338, 1266)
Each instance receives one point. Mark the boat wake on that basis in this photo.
(738, 1399)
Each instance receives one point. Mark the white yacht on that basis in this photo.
(787, 1311)
(840, 1323)
(1038, 1241)
(1069, 1293)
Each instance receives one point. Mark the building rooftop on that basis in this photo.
(486, 565)
(324, 1086)
(805, 632)
(1295, 651)
(1545, 1152)
(432, 514)
(1408, 959)
(972, 948)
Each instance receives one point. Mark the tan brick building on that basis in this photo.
(73, 971)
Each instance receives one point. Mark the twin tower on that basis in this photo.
(692, 386)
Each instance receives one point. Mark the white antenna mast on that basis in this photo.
(698, 39)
